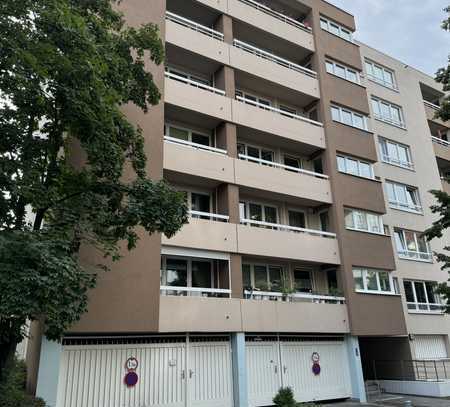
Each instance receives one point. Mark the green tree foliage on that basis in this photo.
(285, 398)
(442, 207)
(66, 68)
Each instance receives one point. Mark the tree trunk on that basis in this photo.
(10, 335)
(7, 351)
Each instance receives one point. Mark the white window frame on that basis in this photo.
(358, 163)
(364, 273)
(371, 75)
(332, 70)
(259, 148)
(355, 213)
(267, 266)
(405, 254)
(169, 125)
(326, 23)
(392, 107)
(396, 203)
(189, 261)
(423, 307)
(294, 209)
(365, 119)
(250, 96)
(246, 204)
(386, 158)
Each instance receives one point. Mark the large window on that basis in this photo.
(303, 282)
(182, 272)
(259, 153)
(262, 277)
(185, 134)
(248, 97)
(363, 221)
(349, 117)
(387, 112)
(258, 212)
(343, 71)
(336, 29)
(354, 166)
(188, 75)
(373, 281)
(403, 197)
(395, 153)
(412, 246)
(380, 74)
(421, 296)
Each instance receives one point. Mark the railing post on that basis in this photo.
(425, 367)
(436, 371)
(445, 370)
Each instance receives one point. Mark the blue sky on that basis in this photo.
(408, 30)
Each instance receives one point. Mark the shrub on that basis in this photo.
(12, 387)
(285, 398)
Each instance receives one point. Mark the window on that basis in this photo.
(258, 153)
(373, 281)
(336, 29)
(421, 296)
(187, 135)
(258, 212)
(380, 74)
(412, 246)
(324, 221)
(354, 166)
(302, 281)
(262, 277)
(342, 71)
(293, 162)
(403, 197)
(181, 272)
(249, 98)
(297, 219)
(289, 110)
(395, 153)
(187, 75)
(387, 112)
(346, 116)
(363, 221)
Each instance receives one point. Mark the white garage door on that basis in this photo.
(430, 347)
(287, 362)
(193, 374)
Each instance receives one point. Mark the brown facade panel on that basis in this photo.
(442, 152)
(352, 141)
(348, 94)
(339, 49)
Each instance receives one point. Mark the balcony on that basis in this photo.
(430, 110)
(441, 148)
(248, 58)
(294, 297)
(415, 255)
(287, 242)
(271, 120)
(282, 179)
(192, 95)
(272, 21)
(425, 308)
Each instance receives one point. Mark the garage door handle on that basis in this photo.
(276, 369)
(284, 369)
(183, 375)
(191, 373)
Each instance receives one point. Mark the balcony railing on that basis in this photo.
(279, 16)
(388, 120)
(195, 292)
(286, 228)
(426, 308)
(194, 83)
(440, 141)
(432, 105)
(185, 22)
(209, 216)
(418, 256)
(277, 111)
(273, 58)
(282, 166)
(294, 297)
(391, 160)
(195, 146)
(406, 207)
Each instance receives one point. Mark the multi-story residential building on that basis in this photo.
(306, 159)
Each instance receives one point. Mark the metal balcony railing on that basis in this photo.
(195, 291)
(279, 16)
(432, 105)
(209, 216)
(413, 255)
(185, 22)
(410, 370)
(294, 297)
(426, 308)
(273, 58)
(195, 146)
(195, 84)
(405, 206)
(440, 141)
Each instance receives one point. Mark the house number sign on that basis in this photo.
(131, 378)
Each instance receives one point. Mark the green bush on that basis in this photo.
(12, 387)
(285, 398)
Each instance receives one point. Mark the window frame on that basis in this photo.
(325, 24)
(260, 151)
(392, 107)
(347, 158)
(386, 158)
(168, 125)
(357, 212)
(267, 267)
(246, 205)
(365, 119)
(364, 275)
(258, 99)
(423, 307)
(400, 236)
(188, 75)
(346, 70)
(372, 77)
(398, 204)
(189, 260)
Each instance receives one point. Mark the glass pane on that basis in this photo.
(430, 288)
(392, 150)
(275, 278)
(410, 241)
(339, 71)
(302, 281)
(323, 24)
(412, 197)
(423, 246)
(400, 240)
(352, 76)
(341, 164)
(372, 280)
(255, 212)
(267, 155)
(335, 114)
(349, 221)
(292, 162)
(400, 193)
(176, 271)
(352, 166)
(200, 202)
(391, 192)
(297, 219)
(200, 139)
(201, 274)
(261, 278)
(409, 294)
(324, 222)
(420, 291)
(347, 117)
(376, 107)
(385, 283)
(369, 68)
(346, 34)
(246, 276)
(374, 223)
(178, 133)
(358, 279)
(318, 166)
(361, 221)
(395, 112)
(365, 170)
(385, 110)
(388, 77)
(378, 73)
(403, 154)
(358, 121)
(270, 214)
(241, 149)
(334, 29)
(330, 67)
(253, 152)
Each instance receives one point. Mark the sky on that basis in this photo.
(408, 30)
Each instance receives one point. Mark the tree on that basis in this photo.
(66, 68)
(442, 207)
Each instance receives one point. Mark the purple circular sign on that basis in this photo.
(316, 369)
(131, 379)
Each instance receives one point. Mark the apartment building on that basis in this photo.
(297, 267)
